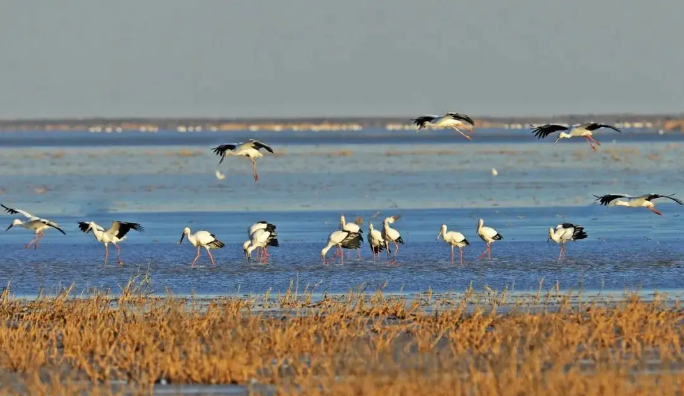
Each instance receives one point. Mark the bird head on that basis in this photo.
(14, 222)
(186, 231)
(441, 231)
(370, 227)
(550, 235)
(562, 135)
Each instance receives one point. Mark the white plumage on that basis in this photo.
(202, 239)
(448, 120)
(114, 235)
(488, 235)
(260, 225)
(342, 239)
(375, 240)
(37, 224)
(454, 239)
(582, 130)
(260, 238)
(249, 149)
(353, 228)
(642, 201)
(389, 234)
(564, 233)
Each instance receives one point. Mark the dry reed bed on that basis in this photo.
(353, 344)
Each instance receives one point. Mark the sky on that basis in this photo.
(275, 58)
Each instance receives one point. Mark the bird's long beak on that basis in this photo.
(10, 226)
(557, 139)
(439, 235)
(181, 240)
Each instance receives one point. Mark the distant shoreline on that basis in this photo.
(666, 122)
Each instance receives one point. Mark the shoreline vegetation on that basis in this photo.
(673, 122)
(362, 342)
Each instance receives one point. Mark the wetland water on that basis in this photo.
(166, 181)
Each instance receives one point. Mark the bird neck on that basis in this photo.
(96, 230)
(564, 135)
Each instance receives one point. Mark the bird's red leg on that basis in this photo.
(193, 261)
(118, 254)
(254, 170)
(656, 211)
(31, 243)
(358, 252)
(484, 253)
(595, 141)
(213, 263)
(106, 254)
(489, 249)
(590, 143)
(461, 251)
(40, 237)
(464, 135)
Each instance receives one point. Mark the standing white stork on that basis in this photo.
(375, 240)
(250, 149)
(260, 238)
(115, 234)
(582, 130)
(566, 232)
(453, 238)
(389, 234)
(37, 224)
(488, 235)
(448, 120)
(202, 239)
(353, 228)
(343, 240)
(260, 225)
(643, 201)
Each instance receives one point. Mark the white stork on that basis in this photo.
(260, 238)
(37, 224)
(353, 228)
(389, 234)
(448, 120)
(115, 234)
(202, 239)
(488, 235)
(260, 225)
(643, 201)
(454, 239)
(582, 130)
(250, 149)
(343, 240)
(566, 232)
(375, 240)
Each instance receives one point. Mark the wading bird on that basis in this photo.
(455, 239)
(250, 149)
(583, 130)
(566, 232)
(260, 225)
(488, 235)
(342, 240)
(260, 238)
(353, 228)
(202, 239)
(643, 201)
(375, 240)
(34, 223)
(115, 234)
(448, 120)
(389, 234)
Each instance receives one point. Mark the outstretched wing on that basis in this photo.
(592, 126)
(462, 117)
(545, 130)
(18, 211)
(222, 149)
(423, 120)
(120, 228)
(606, 199)
(53, 225)
(258, 145)
(651, 197)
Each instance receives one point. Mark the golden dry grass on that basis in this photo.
(358, 343)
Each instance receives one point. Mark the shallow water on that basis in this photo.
(430, 179)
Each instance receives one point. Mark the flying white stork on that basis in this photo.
(260, 225)
(375, 240)
(448, 120)
(34, 223)
(566, 232)
(115, 234)
(643, 201)
(250, 149)
(582, 130)
(202, 239)
(260, 238)
(389, 234)
(488, 235)
(353, 228)
(454, 239)
(342, 239)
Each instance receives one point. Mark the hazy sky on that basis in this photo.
(230, 58)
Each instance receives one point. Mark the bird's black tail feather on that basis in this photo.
(216, 244)
(497, 237)
(579, 233)
(273, 242)
(353, 243)
(399, 240)
(466, 242)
